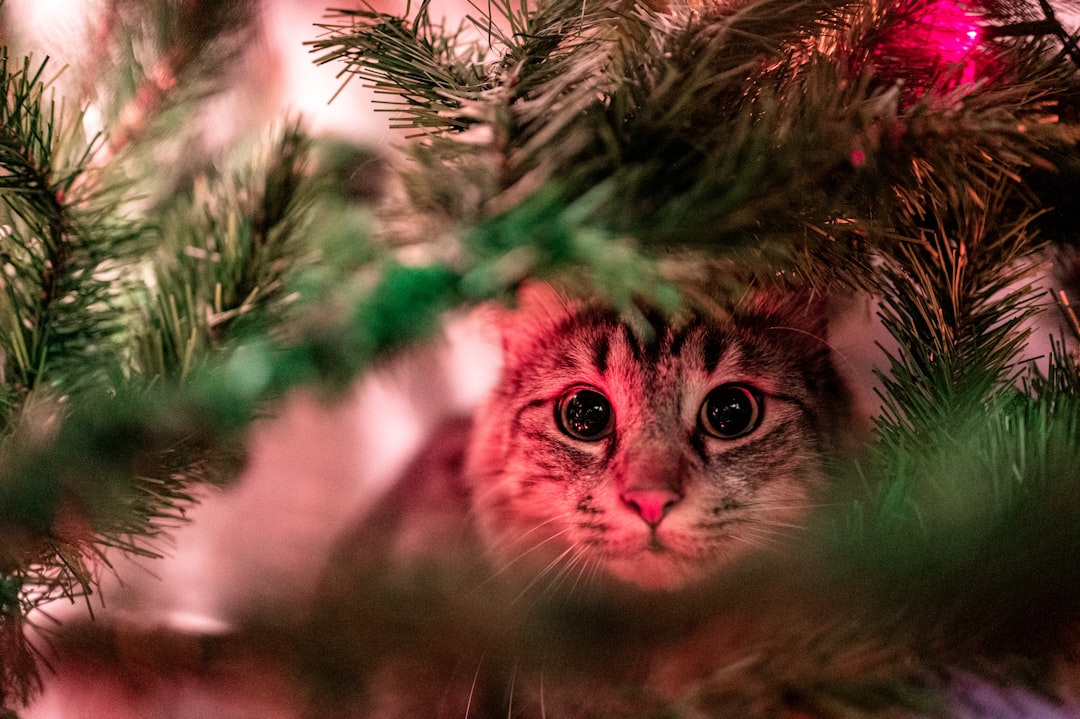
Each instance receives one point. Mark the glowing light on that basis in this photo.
(953, 31)
(940, 45)
(952, 34)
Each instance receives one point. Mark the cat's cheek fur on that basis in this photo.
(511, 506)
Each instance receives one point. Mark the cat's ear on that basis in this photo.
(797, 318)
(540, 310)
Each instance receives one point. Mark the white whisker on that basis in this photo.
(755, 540)
(595, 570)
(521, 555)
(586, 564)
(786, 504)
(777, 523)
(762, 530)
(543, 572)
(472, 688)
(546, 522)
(531, 549)
(574, 561)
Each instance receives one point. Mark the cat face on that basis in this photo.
(648, 456)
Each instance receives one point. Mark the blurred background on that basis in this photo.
(260, 543)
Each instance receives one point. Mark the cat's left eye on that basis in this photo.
(585, 414)
(730, 411)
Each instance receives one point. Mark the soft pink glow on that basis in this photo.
(951, 35)
(937, 46)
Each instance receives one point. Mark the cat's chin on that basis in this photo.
(653, 572)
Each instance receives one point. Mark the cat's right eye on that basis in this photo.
(584, 414)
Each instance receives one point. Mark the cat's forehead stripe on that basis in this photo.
(660, 339)
(709, 344)
(650, 346)
(598, 341)
(678, 340)
(713, 349)
(632, 343)
(600, 353)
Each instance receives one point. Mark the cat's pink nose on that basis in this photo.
(651, 504)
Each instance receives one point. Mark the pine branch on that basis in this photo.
(227, 249)
(117, 471)
(1023, 20)
(62, 315)
(429, 72)
(63, 255)
(951, 477)
(656, 104)
(19, 676)
(155, 61)
(76, 480)
(605, 68)
(724, 132)
(956, 300)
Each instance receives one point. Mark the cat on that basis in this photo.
(622, 465)
(652, 454)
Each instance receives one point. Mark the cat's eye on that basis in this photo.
(730, 411)
(585, 414)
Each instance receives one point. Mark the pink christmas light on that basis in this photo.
(933, 44)
(949, 34)
(953, 34)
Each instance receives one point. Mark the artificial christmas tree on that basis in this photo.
(923, 152)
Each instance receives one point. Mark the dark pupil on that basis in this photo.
(587, 413)
(730, 411)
